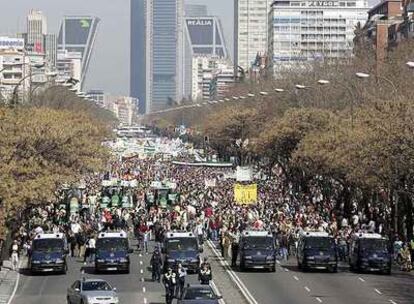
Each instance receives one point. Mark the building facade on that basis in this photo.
(305, 31)
(139, 69)
(98, 96)
(123, 107)
(14, 67)
(195, 10)
(78, 34)
(251, 20)
(36, 31)
(162, 47)
(69, 66)
(51, 50)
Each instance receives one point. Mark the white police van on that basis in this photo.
(370, 252)
(48, 253)
(112, 252)
(257, 250)
(317, 250)
(181, 248)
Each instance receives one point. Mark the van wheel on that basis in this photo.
(242, 266)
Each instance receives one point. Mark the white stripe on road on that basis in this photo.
(361, 279)
(296, 278)
(216, 291)
(144, 289)
(377, 291)
(16, 284)
(142, 280)
(287, 270)
(307, 289)
(393, 302)
(140, 263)
(145, 300)
(141, 271)
(318, 299)
(246, 293)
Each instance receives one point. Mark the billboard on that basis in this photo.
(14, 43)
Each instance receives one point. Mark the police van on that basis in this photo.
(317, 250)
(370, 252)
(112, 252)
(181, 248)
(257, 250)
(48, 253)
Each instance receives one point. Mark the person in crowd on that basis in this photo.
(156, 263)
(170, 282)
(181, 274)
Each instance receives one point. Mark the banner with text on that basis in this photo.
(245, 194)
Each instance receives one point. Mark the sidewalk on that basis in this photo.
(8, 281)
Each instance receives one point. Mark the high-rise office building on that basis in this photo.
(51, 49)
(138, 70)
(251, 21)
(195, 10)
(313, 30)
(163, 52)
(78, 34)
(36, 30)
(205, 35)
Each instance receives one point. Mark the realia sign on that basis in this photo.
(200, 22)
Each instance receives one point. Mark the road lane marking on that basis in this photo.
(296, 278)
(16, 284)
(216, 290)
(377, 291)
(361, 279)
(246, 293)
(393, 302)
(145, 300)
(307, 289)
(141, 271)
(287, 270)
(278, 262)
(140, 254)
(318, 299)
(144, 289)
(142, 280)
(140, 262)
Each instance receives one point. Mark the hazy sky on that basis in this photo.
(109, 66)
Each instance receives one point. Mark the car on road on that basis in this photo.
(112, 252)
(182, 248)
(317, 250)
(48, 253)
(199, 294)
(257, 250)
(370, 252)
(91, 291)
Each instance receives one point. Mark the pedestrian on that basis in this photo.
(15, 255)
(205, 275)
(156, 263)
(182, 273)
(91, 245)
(170, 281)
(234, 247)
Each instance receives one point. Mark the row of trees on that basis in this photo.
(355, 134)
(54, 140)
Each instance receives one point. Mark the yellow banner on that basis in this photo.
(245, 194)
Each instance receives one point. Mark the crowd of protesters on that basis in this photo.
(208, 209)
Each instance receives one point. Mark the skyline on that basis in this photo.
(112, 48)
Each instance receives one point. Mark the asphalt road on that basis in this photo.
(287, 286)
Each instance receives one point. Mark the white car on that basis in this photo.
(91, 291)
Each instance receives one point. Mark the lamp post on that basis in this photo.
(324, 82)
(15, 97)
(389, 81)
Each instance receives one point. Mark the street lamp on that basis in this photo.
(362, 75)
(410, 64)
(264, 93)
(300, 87)
(279, 90)
(323, 82)
(250, 95)
(365, 75)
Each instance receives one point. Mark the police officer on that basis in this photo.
(181, 274)
(205, 275)
(170, 281)
(234, 247)
(156, 262)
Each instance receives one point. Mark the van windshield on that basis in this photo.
(260, 242)
(48, 245)
(112, 244)
(321, 243)
(374, 245)
(181, 244)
